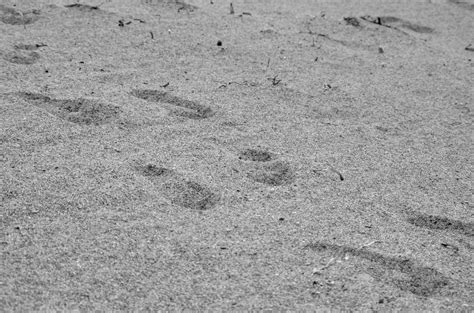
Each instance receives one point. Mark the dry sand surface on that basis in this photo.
(294, 155)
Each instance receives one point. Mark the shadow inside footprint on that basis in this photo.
(442, 223)
(274, 174)
(82, 7)
(22, 57)
(391, 21)
(179, 191)
(462, 4)
(192, 109)
(79, 111)
(421, 281)
(351, 20)
(255, 155)
(154, 171)
(191, 195)
(175, 4)
(29, 47)
(30, 96)
(417, 28)
(13, 17)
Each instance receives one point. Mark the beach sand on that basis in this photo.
(294, 155)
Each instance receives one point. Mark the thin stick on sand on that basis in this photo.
(336, 171)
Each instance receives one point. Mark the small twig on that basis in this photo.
(367, 244)
(328, 264)
(275, 80)
(343, 256)
(165, 85)
(22, 18)
(450, 246)
(336, 171)
(152, 36)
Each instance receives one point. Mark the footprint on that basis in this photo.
(29, 47)
(21, 57)
(420, 280)
(12, 16)
(269, 33)
(79, 111)
(177, 4)
(351, 20)
(255, 155)
(154, 171)
(179, 191)
(275, 174)
(462, 4)
(265, 168)
(395, 22)
(442, 223)
(185, 108)
(82, 7)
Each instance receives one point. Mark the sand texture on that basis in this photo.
(163, 155)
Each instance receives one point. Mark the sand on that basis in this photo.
(293, 155)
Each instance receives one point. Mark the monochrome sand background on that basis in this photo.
(318, 157)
